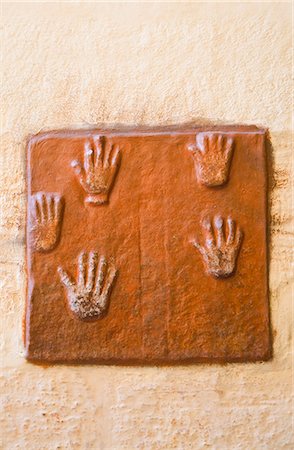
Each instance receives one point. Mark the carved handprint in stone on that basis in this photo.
(46, 220)
(221, 248)
(88, 298)
(97, 174)
(212, 156)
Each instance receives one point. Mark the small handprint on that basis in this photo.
(89, 297)
(219, 252)
(46, 219)
(212, 156)
(97, 175)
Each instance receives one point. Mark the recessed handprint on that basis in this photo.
(97, 174)
(221, 247)
(88, 297)
(46, 220)
(212, 156)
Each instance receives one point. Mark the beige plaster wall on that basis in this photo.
(78, 64)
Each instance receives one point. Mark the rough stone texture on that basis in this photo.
(81, 64)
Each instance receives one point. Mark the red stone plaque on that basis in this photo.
(147, 246)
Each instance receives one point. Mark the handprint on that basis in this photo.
(218, 252)
(89, 297)
(212, 156)
(101, 163)
(45, 223)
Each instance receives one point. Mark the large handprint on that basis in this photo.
(45, 221)
(88, 297)
(212, 156)
(97, 174)
(219, 253)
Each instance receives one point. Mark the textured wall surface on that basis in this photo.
(78, 64)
